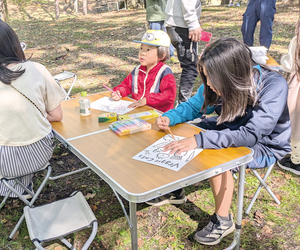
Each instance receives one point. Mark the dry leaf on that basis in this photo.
(267, 230)
(16, 235)
(89, 196)
(163, 219)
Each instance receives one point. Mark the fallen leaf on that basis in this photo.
(58, 248)
(89, 196)
(270, 223)
(245, 221)
(267, 230)
(163, 219)
(258, 216)
(16, 235)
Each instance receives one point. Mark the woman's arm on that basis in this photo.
(55, 115)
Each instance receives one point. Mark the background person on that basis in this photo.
(250, 101)
(263, 11)
(29, 100)
(152, 82)
(155, 15)
(182, 23)
(291, 64)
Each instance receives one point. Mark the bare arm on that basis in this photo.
(55, 115)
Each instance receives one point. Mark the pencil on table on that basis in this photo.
(168, 127)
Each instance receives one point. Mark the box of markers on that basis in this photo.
(130, 126)
(107, 117)
(143, 115)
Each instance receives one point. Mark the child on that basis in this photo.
(250, 101)
(291, 63)
(155, 15)
(151, 83)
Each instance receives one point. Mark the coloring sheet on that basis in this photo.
(109, 105)
(154, 154)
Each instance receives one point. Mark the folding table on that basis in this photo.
(110, 156)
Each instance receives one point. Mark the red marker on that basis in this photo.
(111, 90)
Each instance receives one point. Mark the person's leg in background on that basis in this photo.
(292, 162)
(250, 19)
(171, 49)
(187, 52)
(222, 186)
(267, 13)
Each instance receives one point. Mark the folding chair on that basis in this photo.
(11, 187)
(64, 76)
(262, 184)
(60, 218)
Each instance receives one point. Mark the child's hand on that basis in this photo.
(163, 122)
(116, 96)
(139, 103)
(180, 146)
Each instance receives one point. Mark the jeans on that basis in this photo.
(187, 52)
(263, 11)
(159, 25)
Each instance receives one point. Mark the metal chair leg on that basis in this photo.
(262, 184)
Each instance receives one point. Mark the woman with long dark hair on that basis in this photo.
(29, 100)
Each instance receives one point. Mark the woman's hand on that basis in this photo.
(139, 103)
(163, 122)
(116, 96)
(180, 146)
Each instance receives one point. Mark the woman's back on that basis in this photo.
(21, 122)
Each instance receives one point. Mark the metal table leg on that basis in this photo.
(239, 212)
(134, 240)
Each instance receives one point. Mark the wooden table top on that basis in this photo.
(110, 155)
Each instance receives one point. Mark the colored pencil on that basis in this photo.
(168, 128)
(111, 90)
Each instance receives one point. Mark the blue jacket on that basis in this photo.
(267, 123)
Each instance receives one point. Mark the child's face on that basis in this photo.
(148, 56)
(209, 82)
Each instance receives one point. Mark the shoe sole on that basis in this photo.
(288, 169)
(174, 202)
(228, 231)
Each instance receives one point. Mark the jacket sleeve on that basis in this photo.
(189, 110)
(271, 103)
(125, 87)
(190, 11)
(167, 92)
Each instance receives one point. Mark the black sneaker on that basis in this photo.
(215, 230)
(27, 195)
(170, 198)
(287, 164)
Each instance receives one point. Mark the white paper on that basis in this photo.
(154, 154)
(109, 105)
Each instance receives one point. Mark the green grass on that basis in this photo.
(100, 49)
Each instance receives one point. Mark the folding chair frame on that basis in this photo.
(262, 184)
(64, 76)
(30, 203)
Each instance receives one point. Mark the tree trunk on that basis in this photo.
(84, 7)
(76, 6)
(56, 9)
(4, 11)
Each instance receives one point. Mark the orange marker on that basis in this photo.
(168, 127)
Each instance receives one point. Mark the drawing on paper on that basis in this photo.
(154, 154)
(109, 105)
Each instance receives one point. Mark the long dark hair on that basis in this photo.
(229, 68)
(10, 52)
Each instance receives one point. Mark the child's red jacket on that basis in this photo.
(158, 86)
